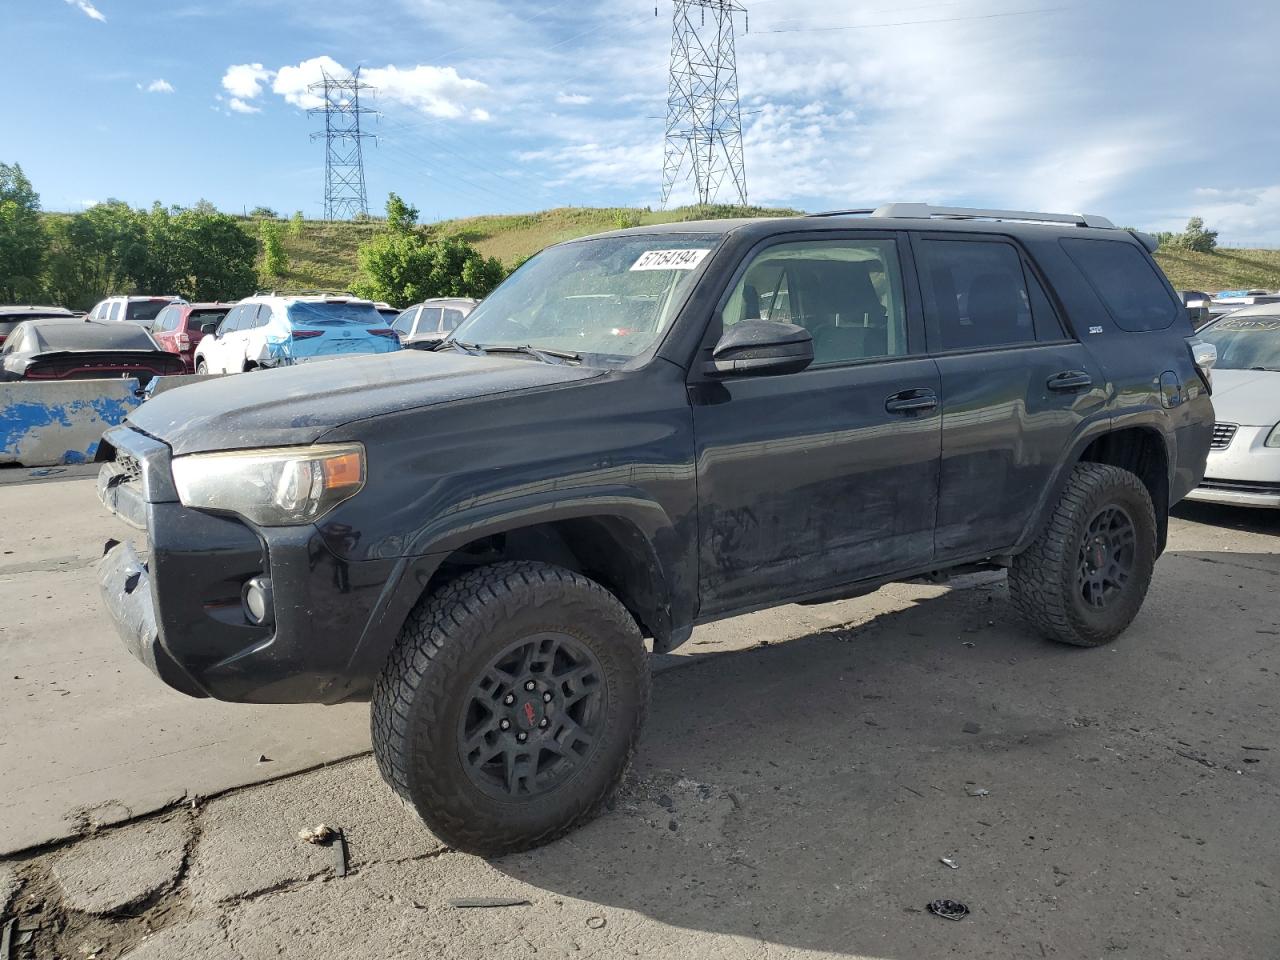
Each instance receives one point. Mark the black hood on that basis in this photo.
(296, 405)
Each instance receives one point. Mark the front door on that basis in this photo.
(1015, 387)
(817, 479)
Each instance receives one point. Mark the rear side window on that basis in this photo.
(976, 294)
(198, 318)
(115, 311)
(144, 311)
(430, 322)
(452, 318)
(1126, 283)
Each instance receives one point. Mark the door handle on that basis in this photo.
(911, 401)
(1070, 380)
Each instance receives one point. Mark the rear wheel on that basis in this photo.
(511, 705)
(202, 368)
(1085, 577)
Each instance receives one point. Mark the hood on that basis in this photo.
(1247, 397)
(297, 405)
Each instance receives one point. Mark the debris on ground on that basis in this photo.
(971, 727)
(486, 903)
(949, 909)
(263, 758)
(596, 923)
(321, 836)
(949, 862)
(340, 853)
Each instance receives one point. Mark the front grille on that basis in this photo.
(1242, 486)
(129, 465)
(1223, 434)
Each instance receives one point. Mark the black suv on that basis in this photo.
(644, 431)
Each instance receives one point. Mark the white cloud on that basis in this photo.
(245, 80)
(434, 91)
(292, 82)
(157, 86)
(573, 99)
(242, 106)
(88, 9)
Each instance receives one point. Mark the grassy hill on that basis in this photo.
(324, 255)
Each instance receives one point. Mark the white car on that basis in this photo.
(139, 310)
(280, 330)
(425, 324)
(1244, 459)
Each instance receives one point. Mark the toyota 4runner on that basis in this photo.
(644, 431)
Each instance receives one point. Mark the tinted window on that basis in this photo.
(975, 294)
(846, 293)
(144, 311)
(197, 318)
(1126, 282)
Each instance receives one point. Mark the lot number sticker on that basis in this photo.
(670, 259)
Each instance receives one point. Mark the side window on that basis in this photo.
(975, 294)
(232, 321)
(115, 311)
(165, 320)
(847, 293)
(264, 315)
(1125, 282)
(430, 322)
(404, 323)
(451, 319)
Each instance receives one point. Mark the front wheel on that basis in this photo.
(1085, 577)
(510, 706)
(202, 368)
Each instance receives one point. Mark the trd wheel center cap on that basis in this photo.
(529, 713)
(1098, 554)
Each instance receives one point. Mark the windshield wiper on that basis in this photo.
(546, 356)
(470, 349)
(1267, 369)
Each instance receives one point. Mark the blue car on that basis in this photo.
(279, 330)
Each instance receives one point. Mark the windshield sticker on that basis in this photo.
(670, 259)
(1268, 324)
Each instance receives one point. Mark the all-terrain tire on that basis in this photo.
(447, 645)
(1044, 580)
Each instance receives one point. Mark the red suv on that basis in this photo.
(177, 328)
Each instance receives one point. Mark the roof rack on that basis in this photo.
(923, 211)
(864, 212)
(305, 293)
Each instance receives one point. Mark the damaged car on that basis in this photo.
(75, 349)
(278, 331)
(644, 431)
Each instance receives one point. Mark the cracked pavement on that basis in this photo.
(803, 774)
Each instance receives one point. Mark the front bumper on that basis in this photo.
(173, 591)
(1244, 473)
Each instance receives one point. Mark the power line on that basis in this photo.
(704, 119)
(344, 187)
(907, 23)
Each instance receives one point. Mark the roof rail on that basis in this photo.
(864, 212)
(923, 211)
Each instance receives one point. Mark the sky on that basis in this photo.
(1146, 111)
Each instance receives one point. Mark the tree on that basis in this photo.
(96, 253)
(404, 268)
(263, 213)
(400, 216)
(1197, 238)
(275, 262)
(220, 256)
(295, 224)
(24, 244)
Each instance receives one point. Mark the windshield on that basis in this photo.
(333, 314)
(611, 299)
(144, 311)
(1245, 343)
(197, 318)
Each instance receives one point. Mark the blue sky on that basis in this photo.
(1148, 111)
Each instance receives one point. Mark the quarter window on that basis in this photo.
(976, 294)
(1126, 283)
(430, 322)
(846, 293)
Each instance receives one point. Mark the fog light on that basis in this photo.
(258, 601)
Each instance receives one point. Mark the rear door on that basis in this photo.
(817, 479)
(218, 350)
(1015, 387)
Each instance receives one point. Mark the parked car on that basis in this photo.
(73, 349)
(281, 330)
(1244, 461)
(479, 537)
(12, 315)
(140, 310)
(389, 313)
(1197, 304)
(179, 327)
(425, 324)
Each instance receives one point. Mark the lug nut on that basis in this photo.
(546, 697)
(543, 722)
(504, 724)
(522, 736)
(509, 699)
(529, 685)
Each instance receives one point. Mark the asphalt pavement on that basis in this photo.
(809, 780)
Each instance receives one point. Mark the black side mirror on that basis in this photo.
(209, 329)
(761, 348)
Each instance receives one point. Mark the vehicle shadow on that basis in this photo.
(1253, 520)
(805, 794)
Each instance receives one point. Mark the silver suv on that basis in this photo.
(425, 324)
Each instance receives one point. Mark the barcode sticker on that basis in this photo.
(670, 259)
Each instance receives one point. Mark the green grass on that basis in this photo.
(324, 256)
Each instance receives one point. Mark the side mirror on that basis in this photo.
(209, 329)
(761, 348)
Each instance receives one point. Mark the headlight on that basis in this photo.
(1274, 439)
(277, 486)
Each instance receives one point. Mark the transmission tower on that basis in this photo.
(344, 192)
(704, 120)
